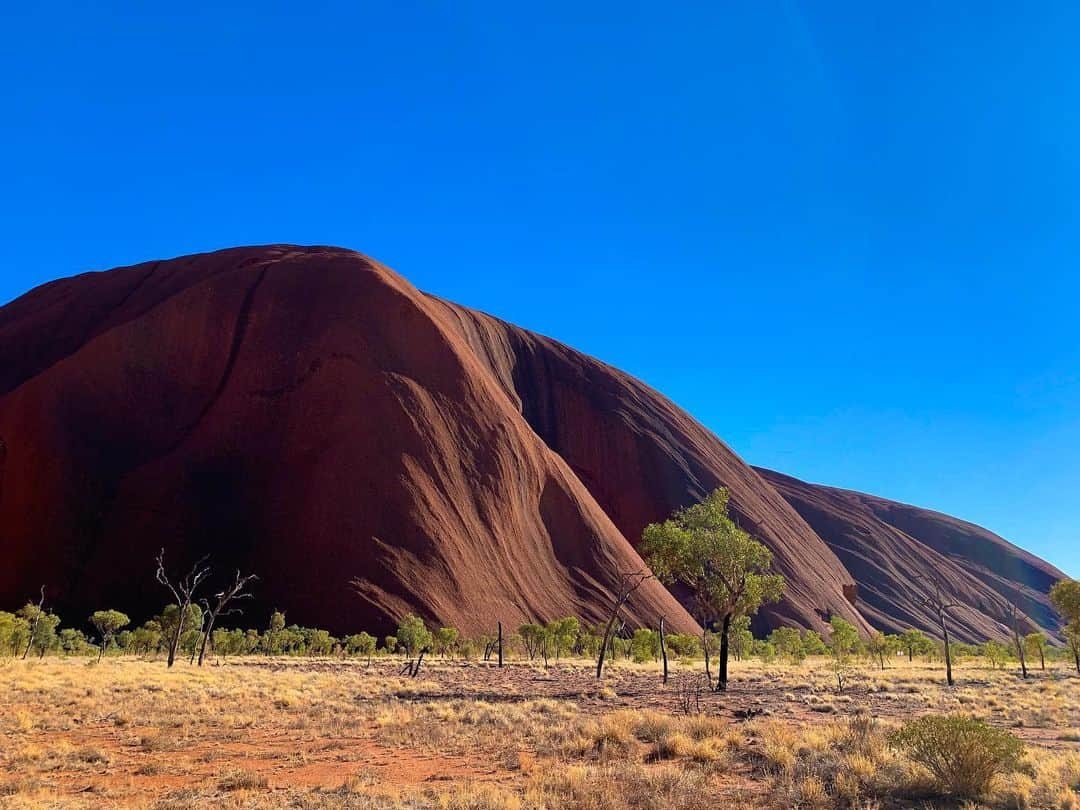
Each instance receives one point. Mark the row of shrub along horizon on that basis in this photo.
(699, 547)
(536, 642)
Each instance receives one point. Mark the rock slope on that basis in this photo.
(367, 449)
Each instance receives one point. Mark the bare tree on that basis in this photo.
(183, 591)
(941, 605)
(627, 583)
(33, 615)
(663, 648)
(1014, 623)
(221, 608)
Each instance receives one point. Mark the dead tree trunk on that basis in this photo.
(936, 601)
(1019, 641)
(183, 591)
(663, 649)
(234, 591)
(627, 584)
(500, 646)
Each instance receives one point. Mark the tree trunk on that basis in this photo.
(174, 642)
(500, 646)
(419, 660)
(948, 651)
(206, 635)
(663, 648)
(722, 676)
(604, 642)
(705, 647)
(1020, 650)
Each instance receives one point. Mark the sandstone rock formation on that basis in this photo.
(307, 414)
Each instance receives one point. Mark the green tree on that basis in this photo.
(813, 643)
(390, 643)
(645, 645)
(765, 650)
(742, 640)
(32, 615)
(107, 622)
(1035, 644)
(788, 644)
(1065, 596)
(688, 645)
(563, 634)
(147, 638)
(725, 568)
(533, 637)
(274, 639)
(879, 646)
(413, 635)
(46, 639)
(361, 644)
(446, 641)
(73, 642)
(995, 653)
(913, 642)
(843, 643)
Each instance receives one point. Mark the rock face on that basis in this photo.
(306, 414)
(890, 547)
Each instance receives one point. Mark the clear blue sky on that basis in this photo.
(844, 236)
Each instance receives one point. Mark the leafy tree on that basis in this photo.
(7, 631)
(725, 568)
(742, 640)
(413, 635)
(843, 643)
(532, 637)
(813, 643)
(446, 641)
(146, 639)
(645, 645)
(563, 634)
(179, 634)
(995, 653)
(32, 615)
(390, 644)
(687, 645)
(361, 644)
(275, 638)
(107, 622)
(879, 646)
(913, 642)
(765, 650)
(1035, 645)
(45, 638)
(788, 644)
(73, 642)
(843, 638)
(1065, 596)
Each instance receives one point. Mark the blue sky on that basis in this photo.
(844, 236)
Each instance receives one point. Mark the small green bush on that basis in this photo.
(963, 754)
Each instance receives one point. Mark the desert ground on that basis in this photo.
(260, 732)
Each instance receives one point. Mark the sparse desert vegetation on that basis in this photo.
(313, 732)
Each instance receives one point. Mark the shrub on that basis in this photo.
(962, 753)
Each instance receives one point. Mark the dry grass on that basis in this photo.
(274, 733)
